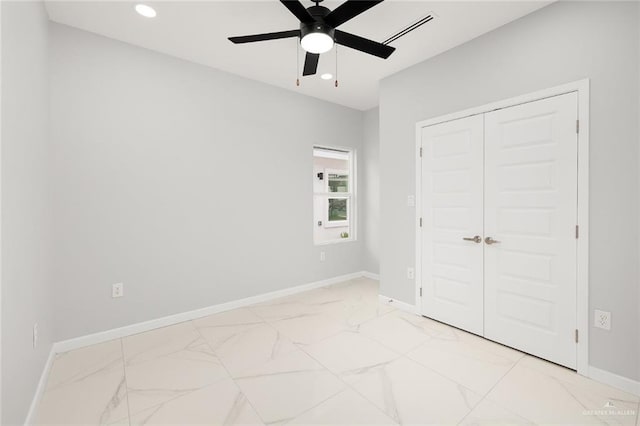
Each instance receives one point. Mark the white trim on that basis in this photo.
(331, 153)
(116, 333)
(562, 89)
(615, 380)
(403, 306)
(42, 385)
(371, 275)
(582, 277)
(603, 376)
(331, 242)
(337, 196)
(582, 268)
(352, 198)
(417, 217)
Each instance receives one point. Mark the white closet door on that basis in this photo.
(452, 210)
(530, 209)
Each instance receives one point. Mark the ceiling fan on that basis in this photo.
(318, 31)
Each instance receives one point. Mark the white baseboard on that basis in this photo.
(42, 384)
(116, 333)
(371, 275)
(398, 304)
(597, 374)
(615, 380)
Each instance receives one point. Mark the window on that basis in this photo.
(333, 187)
(337, 210)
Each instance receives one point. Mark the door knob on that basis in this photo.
(476, 239)
(490, 241)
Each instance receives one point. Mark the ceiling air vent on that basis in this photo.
(420, 22)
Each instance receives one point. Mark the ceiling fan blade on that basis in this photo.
(298, 9)
(310, 63)
(266, 36)
(363, 44)
(348, 10)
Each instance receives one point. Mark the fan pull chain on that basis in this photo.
(336, 47)
(297, 63)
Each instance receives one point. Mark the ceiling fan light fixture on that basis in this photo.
(318, 32)
(317, 42)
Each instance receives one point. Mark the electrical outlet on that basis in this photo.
(322, 256)
(410, 273)
(117, 290)
(35, 335)
(411, 201)
(603, 319)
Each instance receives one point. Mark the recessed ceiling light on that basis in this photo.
(146, 11)
(326, 76)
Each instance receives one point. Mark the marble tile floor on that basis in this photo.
(330, 356)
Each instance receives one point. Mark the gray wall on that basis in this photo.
(371, 191)
(190, 185)
(563, 42)
(638, 17)
(26, 218)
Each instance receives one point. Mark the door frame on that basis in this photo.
(581, 87)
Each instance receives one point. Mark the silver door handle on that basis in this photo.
(477, 239)
(490, 241)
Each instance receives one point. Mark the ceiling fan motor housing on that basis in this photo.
(319, 26)
(318, 11)
(316, 27)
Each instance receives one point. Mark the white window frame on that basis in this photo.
(351, 222)
(337, 195)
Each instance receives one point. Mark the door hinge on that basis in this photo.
(577, 232)
(420, 291)
(420, 222)
(576, 335)
(577, 126)
(420, 151)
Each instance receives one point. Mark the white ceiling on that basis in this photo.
(197, 31)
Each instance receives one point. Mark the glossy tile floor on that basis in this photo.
(328, 356)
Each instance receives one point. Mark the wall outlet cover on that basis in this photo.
(602, 319)
(411, 201)
(411, 273)
(117, 290)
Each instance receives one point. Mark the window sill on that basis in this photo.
(340, 241)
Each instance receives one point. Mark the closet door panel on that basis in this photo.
(531, 211)
(452, 267)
